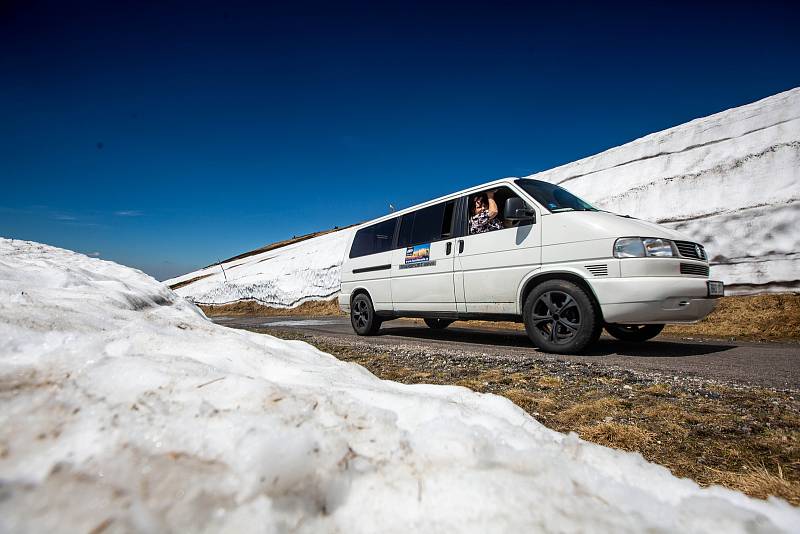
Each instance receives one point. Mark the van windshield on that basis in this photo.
(554, 198)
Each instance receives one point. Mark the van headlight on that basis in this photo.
(640, 247)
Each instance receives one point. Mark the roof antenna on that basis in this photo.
(392, 209)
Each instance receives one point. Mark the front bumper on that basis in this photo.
(653, 299)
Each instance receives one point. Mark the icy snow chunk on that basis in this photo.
(129, 417)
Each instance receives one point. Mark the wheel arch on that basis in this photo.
(359, 291)
(534, 280)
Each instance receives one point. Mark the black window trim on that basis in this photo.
(453, 222)
(372, 268)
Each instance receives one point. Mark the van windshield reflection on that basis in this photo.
(556, 199)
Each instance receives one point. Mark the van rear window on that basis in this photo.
(373, 239)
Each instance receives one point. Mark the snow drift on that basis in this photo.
(730, 181)
(124, 409)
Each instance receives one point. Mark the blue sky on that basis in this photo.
(167, 136)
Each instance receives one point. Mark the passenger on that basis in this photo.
(484, 214)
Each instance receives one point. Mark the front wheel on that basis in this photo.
(362, 316)
(634, 332)
(561, 318)
(438, 324)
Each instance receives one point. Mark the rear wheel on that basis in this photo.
(362, 316)
(634, 332)
(438, 324)
(560, 317)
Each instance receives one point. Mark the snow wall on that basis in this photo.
(123, 409)
(730, 181)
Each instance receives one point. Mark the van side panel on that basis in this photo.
(494, 263)
(371, 273)
(424, 286)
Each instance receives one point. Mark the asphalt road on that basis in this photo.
(765, 364)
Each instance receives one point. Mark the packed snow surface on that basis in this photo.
(730, 181)
(124, 409)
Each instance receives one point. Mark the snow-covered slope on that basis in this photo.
(123, 409)
(730, 180)
(283, 278)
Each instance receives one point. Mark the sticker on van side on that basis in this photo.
(418, 253)
(418, 256)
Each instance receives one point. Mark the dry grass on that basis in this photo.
(548, 382)
(318, 308)
(617, 435)
(594, 410)
(755, 317)
(758, 481)
(657, 389)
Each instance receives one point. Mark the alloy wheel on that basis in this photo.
(361, 314)
(557, 317)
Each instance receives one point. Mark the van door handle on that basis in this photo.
(449, 249)
(460, 246)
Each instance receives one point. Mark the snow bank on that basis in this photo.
(730, 180)
(283, 278)
(123, 408)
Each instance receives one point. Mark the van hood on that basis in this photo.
(587, 225)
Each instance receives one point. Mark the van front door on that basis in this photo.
(422, 266)
(492, 264)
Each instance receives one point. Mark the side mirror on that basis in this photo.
(516, 210)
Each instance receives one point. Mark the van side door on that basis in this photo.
(492, 264)
(422, 265)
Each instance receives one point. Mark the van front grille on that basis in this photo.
(694, 269)
(600, 269)
(687, 249)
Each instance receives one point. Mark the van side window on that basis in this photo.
(480, 222)
(406, 225)
(373, 239)
(427, 225)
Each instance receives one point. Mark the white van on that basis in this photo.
(549, 259)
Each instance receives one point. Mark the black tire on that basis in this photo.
(362, 316)
(560, 317)
(634, 332)
(438, 324)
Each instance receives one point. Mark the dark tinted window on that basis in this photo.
(373, 239)
(447, 222)
(406, 225)
(426, 225)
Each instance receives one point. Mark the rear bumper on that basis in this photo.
(651, 299)
(344, 302)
